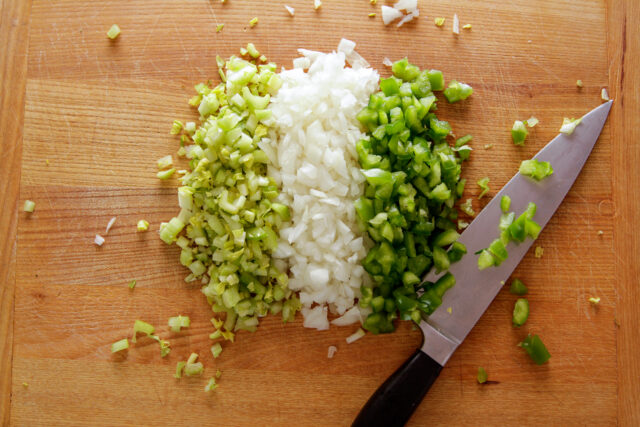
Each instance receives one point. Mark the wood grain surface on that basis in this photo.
(99, 111)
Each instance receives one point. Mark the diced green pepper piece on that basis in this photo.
(518, 288)
(457, 91)
(505, 203)
(535, 348)
(535, 169)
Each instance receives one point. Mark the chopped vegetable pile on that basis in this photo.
(413, 182)
(227, 201)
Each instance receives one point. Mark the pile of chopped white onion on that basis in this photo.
(313, 156)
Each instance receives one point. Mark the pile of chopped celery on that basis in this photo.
(413, 182)
(228, 223)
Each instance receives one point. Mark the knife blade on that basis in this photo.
(396, 399)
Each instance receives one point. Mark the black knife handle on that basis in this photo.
(396, 399)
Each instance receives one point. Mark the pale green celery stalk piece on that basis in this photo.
(216, 349)
(143, 225)
(113, 32)
(175, 323)
(166, 174)
(143, 327)
(253, 52)
(483, 183)
(569, 125)
(117, 346)
(176, 127)
(253, 22)
(132, 284)
(29, 206)
(211, 385)
(165, 162)
(219, 27)
(179, 367)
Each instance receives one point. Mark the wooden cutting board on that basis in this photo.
(99, 112)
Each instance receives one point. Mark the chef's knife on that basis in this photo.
(396, 399)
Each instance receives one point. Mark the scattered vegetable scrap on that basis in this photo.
(291, 10)
(355, 336)
(331, 351)
(439, 22)
(110, 224)
(535, 348)
(142, 225)
(29, 206)
(132, 284)
(253, 22)
(482, 375)
(117, 346)
(569, 125)
(518, 288)
(467, 26)
(456, 24)
(594, 300)
(99, 240)
(604, 94)
(519, 132)
(390, 14)
(219, 27)
(176, 323)
(317, 4)
(483, 183)
(113, 32)
(211, 385)
(520, 312)
(579, 83)
(192, 368)
(539, 251)
(535, 169)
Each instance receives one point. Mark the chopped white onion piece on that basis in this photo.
(302, 63)
(408, 5)
(99, 240)
(332, 351)
(317, 4)
(350, 317)
(405, 19)
(290, 10)
(110, 224)
(355, 336)
(386, 61)
(390, 14)
(604, 94)
(532, 121)
(346, 46)
(315, 317)
(456, 24)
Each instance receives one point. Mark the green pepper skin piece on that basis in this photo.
(536, 349)
(518, 288)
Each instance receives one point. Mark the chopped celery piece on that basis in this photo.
(536, 169)
(143, 225)
(485, 260)
(175, 323)
(579, 83)
(467, 26)
(253, 22)
(531, 122)
(179, 368)
(482, 375)
(113, 32)
(165, 162)
(166, 174)
(192, 368)
(29, 206)
(483, 183)
(132, 284)
(569, 125)
(519, 132)
(143, 327)
(520, 312)
(518, 288)
(594, 300)
(219, 27)
(372, 15)
(467, 208)
(211, 385)
(117, 346)
(176, 128)
(505, 203)
(216, 349)
(457, 91)
(439, 22)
